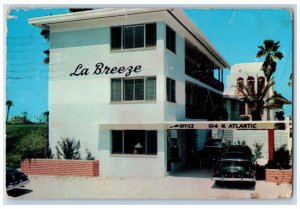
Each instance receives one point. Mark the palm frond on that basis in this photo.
(278, 55)
(260, 53)
(268, 45)
(265, 90)
(272, 105)
(279, 98)
(261, 47)
(276, 46)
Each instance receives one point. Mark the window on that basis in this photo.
(171, 93)
(133, 89)
(150, 89)
(116, 38)
(240, 85)
(134, 142)
(133, 36)
(170, 39)
(151, 34)
(261, 82)
(116, 89)
(250, 84)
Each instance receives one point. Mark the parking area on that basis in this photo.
(185, 184)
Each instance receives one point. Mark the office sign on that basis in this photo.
(221, 125)
(229, 125)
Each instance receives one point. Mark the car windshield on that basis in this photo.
(233, 163)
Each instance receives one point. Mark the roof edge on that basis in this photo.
(44, 21)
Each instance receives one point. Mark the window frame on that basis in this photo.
(251, 84)
(146, 153)
(134, 26)
(123, 89)
(169, 29)
(240, 85)
(167, 90)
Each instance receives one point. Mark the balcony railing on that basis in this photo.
(205, 76)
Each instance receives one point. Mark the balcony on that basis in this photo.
(205, 76)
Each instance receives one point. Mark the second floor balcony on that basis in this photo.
(203, 75)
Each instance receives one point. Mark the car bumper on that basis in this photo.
(17, 185)
(233, 179)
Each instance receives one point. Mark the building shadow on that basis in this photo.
(234, 185)
(18, 192)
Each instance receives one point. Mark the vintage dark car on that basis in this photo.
(241, 149)
(15, 179)
(238, 170)
(239, 156)
(212, 151)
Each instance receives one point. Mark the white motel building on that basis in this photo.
(116, 75)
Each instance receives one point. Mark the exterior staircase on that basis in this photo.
(228, 134)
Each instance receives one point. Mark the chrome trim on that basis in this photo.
(232, 179)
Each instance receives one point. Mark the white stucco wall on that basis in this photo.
(174, 68)
(251, 137)
(78, 104)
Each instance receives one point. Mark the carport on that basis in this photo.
(187, 127)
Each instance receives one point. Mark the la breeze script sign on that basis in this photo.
(101, 68)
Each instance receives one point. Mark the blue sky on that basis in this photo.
(234, 33)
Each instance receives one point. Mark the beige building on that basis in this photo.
(244, 74)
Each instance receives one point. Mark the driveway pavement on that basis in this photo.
(182, 185)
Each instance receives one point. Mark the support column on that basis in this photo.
(271, 143)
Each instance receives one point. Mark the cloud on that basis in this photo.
(9, 17)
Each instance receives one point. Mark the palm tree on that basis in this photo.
(46, 115)
(258, 99)
(271, 53)
(9, 103)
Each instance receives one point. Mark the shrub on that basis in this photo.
(243, 143)
(282, 159)
(13, 160)
(257, 150)
(68, 148)
(34, 145)
(89, 155)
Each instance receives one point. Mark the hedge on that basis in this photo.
(25, 140)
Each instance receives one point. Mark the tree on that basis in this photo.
(258, 98)
(280, 116)
(271, 53)
(46, 116)
(9, 103)
(17, 120)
